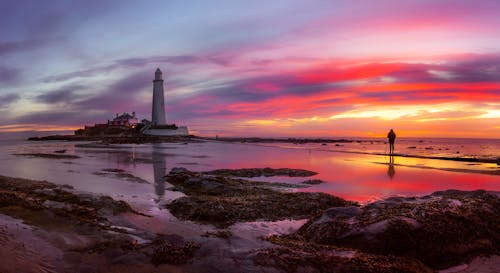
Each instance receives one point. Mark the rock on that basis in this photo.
(223, 234)
(222, 201)
(441, 229)
(179, 170)
(119, 173)
(256, 172)
(313, 182)
(42, 203)
(340, 212)
(299, 256)
(113, 170)
(206, 183)
(172, 249)
(52, 156)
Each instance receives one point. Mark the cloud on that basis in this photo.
(62, 118)
(8, 75)
(65, 94)
(7, 99)
(139, 63)
(123, 95)
(78, 74)
(326, 89)
(9, 47)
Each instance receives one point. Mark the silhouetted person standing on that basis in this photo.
(392, 137)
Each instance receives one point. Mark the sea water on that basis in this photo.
(354, 171)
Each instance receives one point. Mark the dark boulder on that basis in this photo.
(441, 229)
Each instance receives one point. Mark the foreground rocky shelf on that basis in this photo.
(82, 227)
(439, 230)
(300, 256)
(223, 200)
(398, 234)
(42, 201)
(87, 233)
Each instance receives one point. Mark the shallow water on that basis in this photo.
(358, 177)
(435, 147)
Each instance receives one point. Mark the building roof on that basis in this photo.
(124, 116)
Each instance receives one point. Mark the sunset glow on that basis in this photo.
(295, 68)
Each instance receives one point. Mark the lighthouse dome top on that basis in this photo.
(158, 74)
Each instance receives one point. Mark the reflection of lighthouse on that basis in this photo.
(158, 112)
(159, 170)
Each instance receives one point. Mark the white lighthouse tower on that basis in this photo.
(159, 126)
(158, 112)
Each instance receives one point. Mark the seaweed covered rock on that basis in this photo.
(52, 156)
(222, 201)
(85, 228)
(313, 181)
(317, 259)
(256, 172)
(172, 249)
(44, 203)
(440, 229)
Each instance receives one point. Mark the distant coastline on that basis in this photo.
(116, 139)
(139, 139)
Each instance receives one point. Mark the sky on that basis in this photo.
(255, 68)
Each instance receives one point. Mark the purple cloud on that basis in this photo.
(7, 99)
(8, 75)
(65, 95)
(120, 96)
(58, 118)
(9, 47)
(139, 63)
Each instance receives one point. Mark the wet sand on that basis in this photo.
(22, 250)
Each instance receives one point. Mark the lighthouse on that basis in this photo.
(158, 112)
(158, 125)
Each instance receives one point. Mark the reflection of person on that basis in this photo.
(392, 137)
(391, 171)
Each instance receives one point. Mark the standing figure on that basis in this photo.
(392, 137)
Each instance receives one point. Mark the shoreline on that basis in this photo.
(143, 139)
(136, 139)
